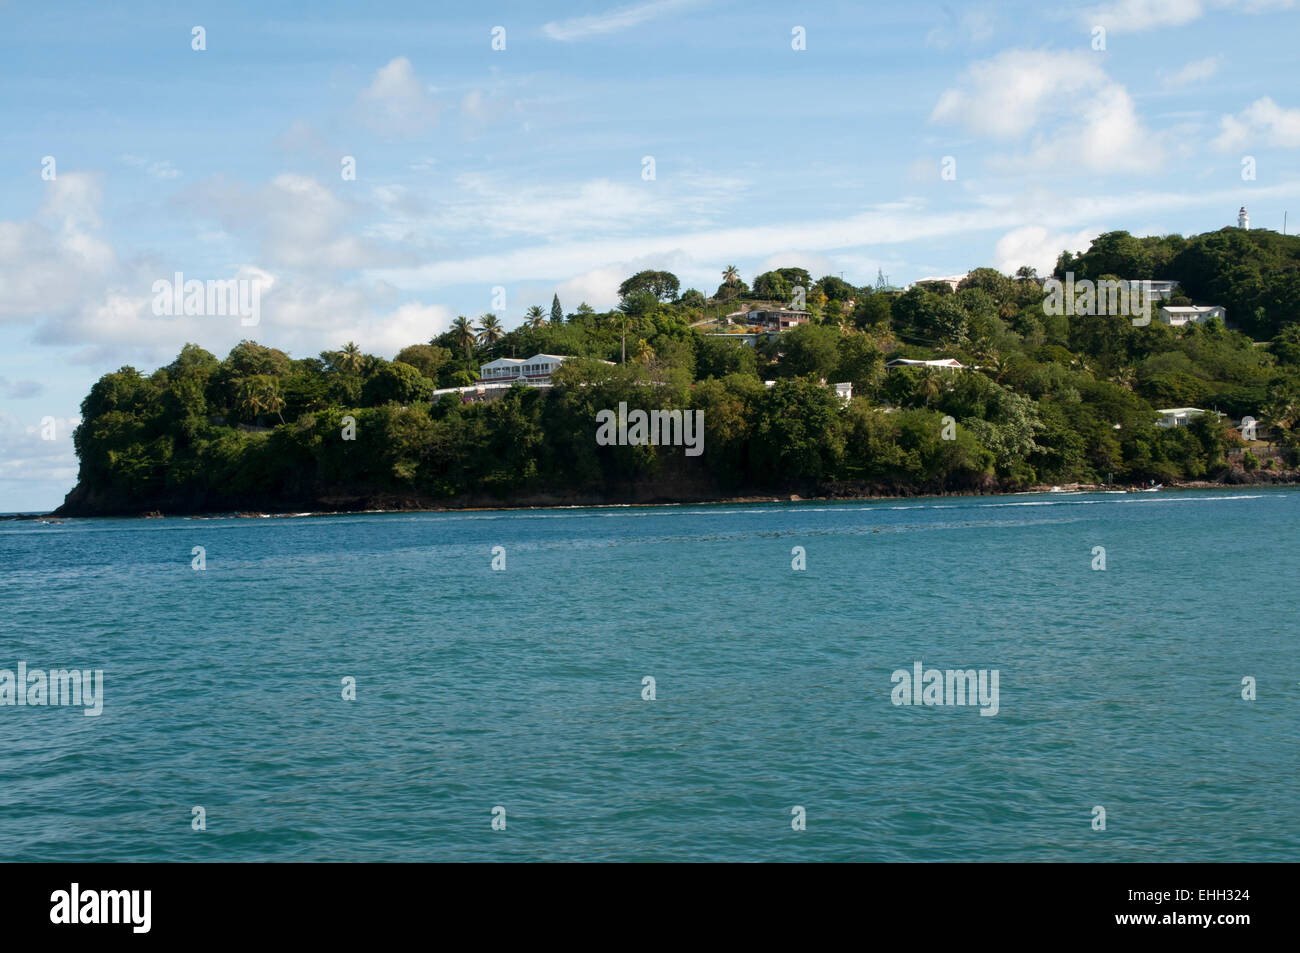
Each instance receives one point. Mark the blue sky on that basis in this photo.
(522, 168)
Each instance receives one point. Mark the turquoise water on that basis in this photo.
(522, 688)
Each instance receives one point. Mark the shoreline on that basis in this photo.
(396, 505)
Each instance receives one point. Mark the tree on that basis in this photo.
(428, 359)
(256, 395)
(462, 332)
(808, 350)
(535, 316)
(397, 383)
(773, 286)
(557, 313)
(872, 310)
(693, 299)
(351, 360)
(490, 330)
(662, 284)
(731, 277)
(836, 288)
(638, 303)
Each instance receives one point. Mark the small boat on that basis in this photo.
(1148, 489)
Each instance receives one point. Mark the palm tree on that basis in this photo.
(929, 386)
(462, 332)
(535, 316)
(1282, 412)
(1125, 377)
(351, 359)
(490, 330)
(259, 394)
(644, 352)
(1000, 365)
(730, 275)
(273, 401)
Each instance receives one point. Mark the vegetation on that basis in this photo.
(1053, 399)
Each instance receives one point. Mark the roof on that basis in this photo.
(1190, 308)
(907, 361)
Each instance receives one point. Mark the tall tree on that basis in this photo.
(490, 330)
(730, 276)
(535, 317)
(351, 359)
(462, 332)
(557, 313)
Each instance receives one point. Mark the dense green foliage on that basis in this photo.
(1055, 399)
(1254, 274)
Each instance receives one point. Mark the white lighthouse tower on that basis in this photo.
(1243, 219)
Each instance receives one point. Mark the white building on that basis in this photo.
(532, 370)
(1158, 290)
(1243, 219)
(947, 364)
(952, 281)
(770, 319)
(1179, 416)
(1181, 315)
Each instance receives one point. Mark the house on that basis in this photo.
(947, 364)
(952, 281)
(1179, 416)
(844, 391)
(1178, 316)
(1155, 290)
(778, 319)
(532, 370)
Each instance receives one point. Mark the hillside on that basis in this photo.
(1047, 399)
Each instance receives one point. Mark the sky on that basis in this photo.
(377, 169)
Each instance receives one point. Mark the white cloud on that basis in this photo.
(706, 251)
(1135, 16)
(1263, 122)
(27, 457)
(396, 103)
(1081, 117)
(597, 287)
(1009, 94)
(1194, 72)
(487, 206)
(1037, 247)
(1107, 137)
(50, 263)
(158, 170)
(302, 223)
(610, 21)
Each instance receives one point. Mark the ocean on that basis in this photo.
(506, 714)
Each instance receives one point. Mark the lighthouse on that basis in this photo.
(1243, 218)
